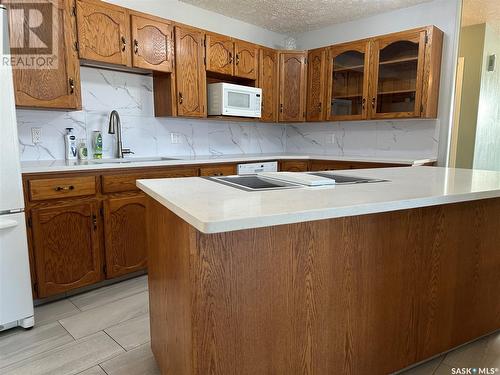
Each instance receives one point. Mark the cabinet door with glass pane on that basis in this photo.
(398, 72)
(348, 81)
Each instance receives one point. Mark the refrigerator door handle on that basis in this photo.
(5, 224)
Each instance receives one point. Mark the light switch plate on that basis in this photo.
(330, 139)
(175, 138)
(36, 135)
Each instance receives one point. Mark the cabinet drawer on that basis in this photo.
(218, 170)
(294, 166)
(54, 188)
(324, 165)
(320, 165)
(115, 183)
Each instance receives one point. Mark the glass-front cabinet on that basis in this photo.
(386, 77)
(348, 75)
(398, 63)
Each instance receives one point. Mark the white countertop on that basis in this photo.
(212, 207)
(41, 166)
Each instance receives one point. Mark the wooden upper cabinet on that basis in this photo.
(152, 43)
(398, 66)
(190, 72)
(219, 54)
(348, 72)
(246, 59)
(59, 86)
(405, 80)
(231, 57)
(103, 32)
(66, 247)
(432, 72)
(125, 234)
(292, 73)
(316, 84)
(269, 83)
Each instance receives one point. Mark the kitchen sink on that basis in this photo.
(129, 160)
(280, 181)
(254, 183)
(346, 180)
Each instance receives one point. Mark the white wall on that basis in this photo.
(194, 16)
(445, 14)
(487, 147)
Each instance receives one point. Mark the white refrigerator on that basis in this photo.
(16, 301)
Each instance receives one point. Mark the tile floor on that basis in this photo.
(106, 331)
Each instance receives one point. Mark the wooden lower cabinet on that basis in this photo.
(125, 234)
(66, 247)
(294, 166)
(326, 165)
(218, 170)
(85, 227)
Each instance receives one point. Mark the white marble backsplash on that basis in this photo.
(131, 94)
(403, 138)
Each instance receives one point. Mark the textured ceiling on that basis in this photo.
(481, 11)
(296, 16)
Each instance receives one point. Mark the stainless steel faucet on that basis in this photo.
(115, 126)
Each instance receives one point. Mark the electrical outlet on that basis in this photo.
(36, 135)
(175, 138)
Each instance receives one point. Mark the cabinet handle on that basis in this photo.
(320, 105)
(71, 86)
(94, 221)
(136, 46)
(64, 188)
(124, 43)
(364, 103)
(230, 58)
(373, 103)
(281, 107)
(237, 58)
(181, 99)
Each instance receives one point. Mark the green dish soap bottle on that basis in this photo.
(97, 144)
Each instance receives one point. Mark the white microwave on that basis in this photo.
(227, 99)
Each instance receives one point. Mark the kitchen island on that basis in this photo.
(351, 279)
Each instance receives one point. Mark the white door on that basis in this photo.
(16, 300)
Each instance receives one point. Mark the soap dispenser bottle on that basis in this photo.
(71, 149)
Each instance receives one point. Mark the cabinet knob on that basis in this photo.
(364, 103)
(181, 99)
(71, 82)
(136, 46)
(124, 43)
(373, 103)
(94, 221)
(281, 107)
(230, 58)
(237, 58)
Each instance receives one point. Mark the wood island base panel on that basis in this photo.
(366, 294)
